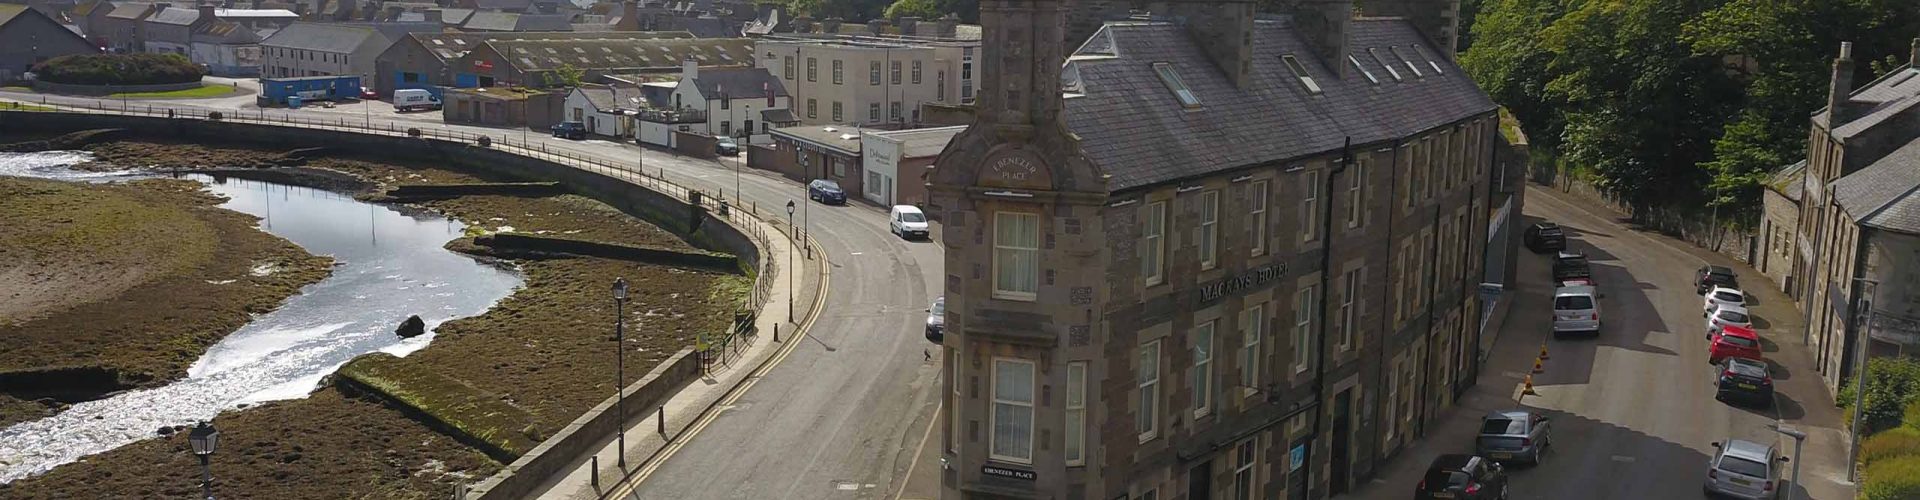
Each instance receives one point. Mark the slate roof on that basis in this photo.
(923, 142)
(1875, 102)
(709, 27)
(1136, 130)
(255, 14)
(455, 16)
(175, 16)
(613, 97)
(450, 46)
(321, 37)
(782, 115)
(508, 21)
(130, 11)
(626, 54)
(503, 4)
(840, 137)
(738, 83)
(1881, 195)
(1789, 180)
(8, 11)
(225, 32)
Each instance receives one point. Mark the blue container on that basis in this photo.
(308, 88)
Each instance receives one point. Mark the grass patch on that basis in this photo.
(505, 430)
(1510, 127)
(201, 91)
(16, 106)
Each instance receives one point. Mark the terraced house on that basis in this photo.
(1207, 255)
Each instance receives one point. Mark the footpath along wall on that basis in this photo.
(693, 221)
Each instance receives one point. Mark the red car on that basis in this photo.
(1734, 341)
(369, 94)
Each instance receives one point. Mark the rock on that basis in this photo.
(166, 430)
(412, 327)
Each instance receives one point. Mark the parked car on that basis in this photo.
(1734, 342)
(937, 320)
(570, 130)
(1569, 266)
(1576, 309)
(1723, 296)
(1743, 469)
(1516, 435)
(367, 94)
(1743, 379)
(415, 100)
(1712, 276)
(826, 191)
(1728, 315)
(1460, 476)
(1543, 237)
(725, 146)
(907, 221)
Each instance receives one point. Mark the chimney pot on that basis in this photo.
(1846, 50)
(1913, 58)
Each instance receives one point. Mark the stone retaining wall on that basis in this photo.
(711, 261)
(96, 90)
(420, 191)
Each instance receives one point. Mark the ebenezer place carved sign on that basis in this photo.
(1252, 278)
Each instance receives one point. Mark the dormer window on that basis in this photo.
(1430, 62)
(1179, 88)
(1409, 62)
(1362, 69)
(1300, 72)
(1383, 63)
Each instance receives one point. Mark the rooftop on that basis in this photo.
(1881, 195)
(449, 46)
(844, 139)
(625, 54)
(320, 37)
(922, 142)
(738, 83)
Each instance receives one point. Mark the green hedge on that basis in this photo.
(1894, 443)
(119, 69)
(1892, 383)
(1892, 479)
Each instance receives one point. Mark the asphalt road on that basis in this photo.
(1633, 411)
(842, 416)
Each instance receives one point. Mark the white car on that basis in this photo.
(1576, 309)
(1722, 296)
(1743, 469)
(908, 222)
(1727, 315)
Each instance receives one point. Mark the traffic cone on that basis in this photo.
(1529, 387)
(1543, 350)
(1538, 367)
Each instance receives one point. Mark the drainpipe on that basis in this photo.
(1326, 290)
(1387, 327)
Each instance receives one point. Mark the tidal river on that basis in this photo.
(390, 265)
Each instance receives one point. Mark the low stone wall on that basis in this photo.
(475, 417)
(423, 191)
(579, 438)
(695, 145)
(696, 259)
(97, 90)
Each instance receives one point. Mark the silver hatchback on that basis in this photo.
(1513, 436)
(1744, 469)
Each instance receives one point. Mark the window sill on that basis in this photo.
(1014, 296)
(1145, 437)
(1010, 460)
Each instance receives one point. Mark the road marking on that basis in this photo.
(1511, 374)
(931, 423)
(1623, 459)
(627, 485)
(846, 485)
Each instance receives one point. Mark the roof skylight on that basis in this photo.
(1383, 63)
(1410, 66)
(1362, 69)
(1179, 88)
(1300, 72)
(1430, 62)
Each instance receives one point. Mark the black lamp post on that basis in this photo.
(620, 362)
(791, 275)
(204, 439)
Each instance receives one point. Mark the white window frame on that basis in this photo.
(1153, 236)
(953, 406)
(1310, 207)
(1348, 311)
(993, 426)
(1392, 422)
(1075, 448)
(1202, 381)
(1246, 479)
(1356, 193)
(1258, 197)
(1303, 313)
(1147, 410)
(1209, 229)
(1001, 290)
(1252, 328)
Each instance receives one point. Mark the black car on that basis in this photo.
(1543, 237)
(1742, 379)
(1461, 476)
(826, 191)
(570, 130)
(1711, 276)
(1570, 266)
(725, 146)
(937, 320)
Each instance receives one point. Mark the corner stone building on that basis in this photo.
(1209, 256)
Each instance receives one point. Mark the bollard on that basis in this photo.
(596, 472)
(776, 328)
(662, 420)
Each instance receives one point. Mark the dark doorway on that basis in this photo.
(1298, 454)
(1342, 440)
(1200, 480)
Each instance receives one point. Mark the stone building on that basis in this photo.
(1209, 256)
(28, 37)
(1779, 222)
(1859, 223)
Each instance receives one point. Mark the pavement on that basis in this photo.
(1633, 410)
(840, 414)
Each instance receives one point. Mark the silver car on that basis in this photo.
(1513, 436)
(1728, 315)
(1744, 469)
(1576, 309)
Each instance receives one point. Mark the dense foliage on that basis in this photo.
(1675, 102)
(859, 11)
(1892, 385)
(1892, 479)
(119, 69)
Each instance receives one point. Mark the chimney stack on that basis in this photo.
(908, 24)
(878, 26)
(1913, 57)
(1325, 23)
(629, 16)
(949, 26)
(831, 25)
(689, 69)
(1841, 86)
(802, 24)
(1224, 31)
(207, 12)
(436, 16)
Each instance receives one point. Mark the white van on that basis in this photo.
(414, 100)
(908, 222)
(1576, 309)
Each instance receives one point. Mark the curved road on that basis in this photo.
(840, 417)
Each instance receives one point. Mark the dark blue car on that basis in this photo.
(826, 191)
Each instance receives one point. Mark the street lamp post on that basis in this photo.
(1860, 378)
(204, 439)
(1798, 439)
(791, 276)
(620, 362)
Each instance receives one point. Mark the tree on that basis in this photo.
(565, 76)
(924, 9)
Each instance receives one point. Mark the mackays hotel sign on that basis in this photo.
(1251, 279)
